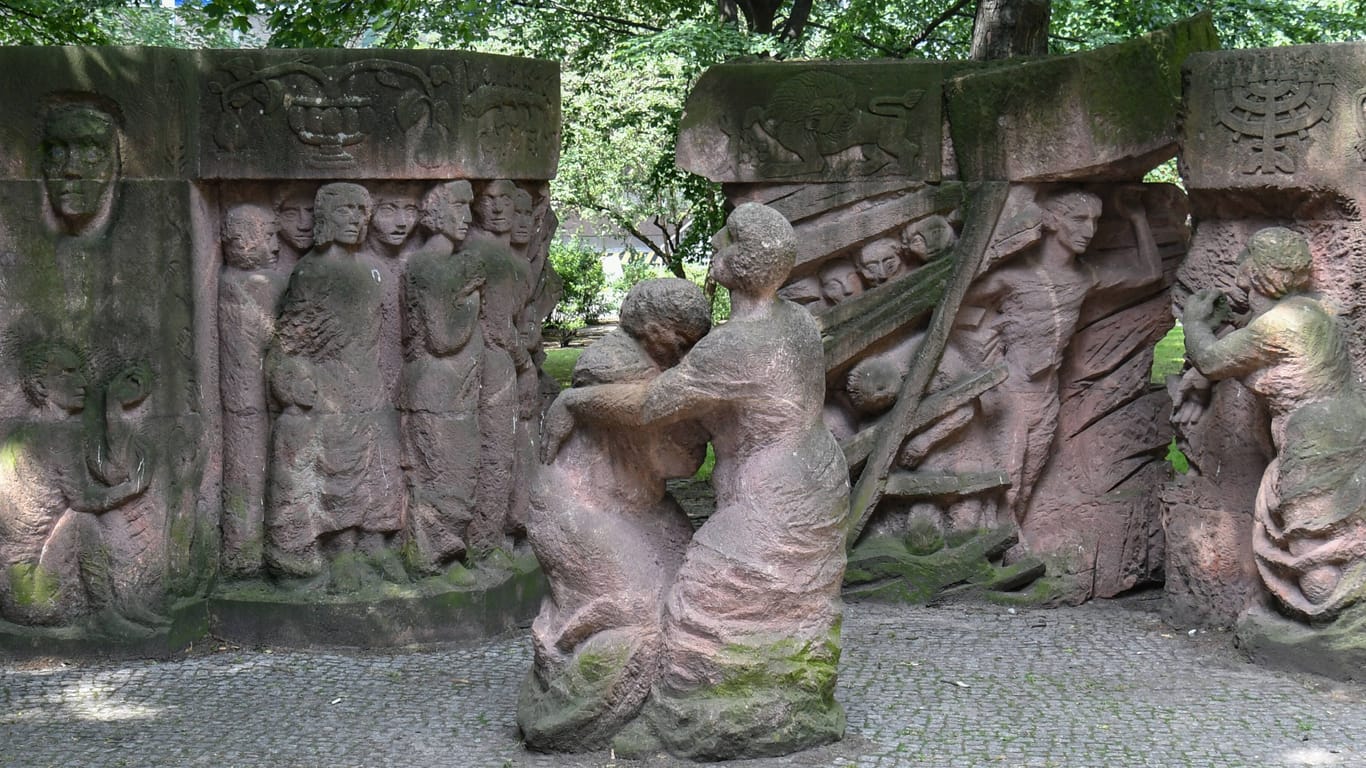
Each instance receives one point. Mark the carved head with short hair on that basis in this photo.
(1278, 262)
(755, 252)
(80, 162)
(446, 209)
(1071, 217)
(52, 372)
(839, 281)
(248, 236)
(343, 214)
(522, 219)
(493, 206)
(294, 215)
(666, 316)
(395, 214)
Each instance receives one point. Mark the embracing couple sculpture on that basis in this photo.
(721, 643)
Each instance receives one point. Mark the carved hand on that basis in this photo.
(1206, 307)
(556, 425)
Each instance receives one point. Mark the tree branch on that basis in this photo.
(597, 18)
(935, 23)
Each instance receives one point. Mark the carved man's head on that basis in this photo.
(879, 261)
(343, 213)
(395, 214)
(929, 238)
(522, 220)
(840, 281)
(446, 209)
(80, 149)
(493, 208)
(294, 214)
(873, 385)
(1278, 262)
(755, 252)
(249, 236)
(1071, 217)
(667, 316)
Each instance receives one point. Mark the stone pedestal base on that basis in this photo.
(99, 638)
(1337, 650)
(480, 603)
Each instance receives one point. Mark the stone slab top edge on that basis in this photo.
(1007, 119)
(292, 113)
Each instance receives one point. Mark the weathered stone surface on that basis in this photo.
(329, 114)
(1009, 120)
(828, 121)
(749, 637)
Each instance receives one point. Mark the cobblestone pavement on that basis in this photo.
(1105, 685)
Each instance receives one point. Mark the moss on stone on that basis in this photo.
(31, 584)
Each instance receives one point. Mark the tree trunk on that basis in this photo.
(1004, 29)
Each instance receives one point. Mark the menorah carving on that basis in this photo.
(1276, 115)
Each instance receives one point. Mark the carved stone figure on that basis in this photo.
(929, 238)
(840, 281)
(335, 495)
(442, 372)
(1309, 534)
(609, 538)
(880, 261)
(1024, 313)
(249, 289)
(387, 246)
(758, 590)
(505, 355)
(294, 217)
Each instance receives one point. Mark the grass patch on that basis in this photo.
(559, 363)
(1170, 355)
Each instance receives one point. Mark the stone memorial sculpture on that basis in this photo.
(840, 282)
(335, 498)
(294, 217)
(442, 373)
(1309, 534)
(250, 286)
(389, 240)
(608, 535)
(505, 297)
(880, 261)
(758, 591)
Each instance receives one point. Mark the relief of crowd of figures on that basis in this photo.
(379, 348)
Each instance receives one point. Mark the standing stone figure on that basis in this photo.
(388, 243)
(505, 355)
(610, 539)
(758, 593)
(442, 372)
(1025, 312)
(335, 496)
(249, 289)
(1309, 535)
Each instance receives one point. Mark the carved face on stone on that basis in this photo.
(879, 261)
(394, 218)
(1072, 217)
(930, 238)
(522, 220)
(446, 209)
(80, 161)
(343, 214)
(493, 208)
(294, 215)
(840, 281)
(249, 236)
(55, 374)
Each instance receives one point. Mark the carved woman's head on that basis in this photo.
(342, 214)
(1277, 262)
(666, 316)
(446, 209)
(755, 252)
(80, 162)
